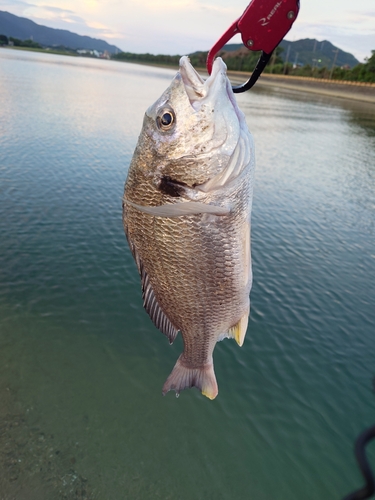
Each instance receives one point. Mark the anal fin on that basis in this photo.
(150, 303)
(238, 331)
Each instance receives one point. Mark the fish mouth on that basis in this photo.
(199, 90)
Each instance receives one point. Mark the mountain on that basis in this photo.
(318, 54)
(306, 51)
(310, 51)
(24, 29)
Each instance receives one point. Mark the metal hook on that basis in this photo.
(261, 64)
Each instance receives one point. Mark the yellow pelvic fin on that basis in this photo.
(238, 331)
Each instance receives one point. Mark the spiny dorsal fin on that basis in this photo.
(152, 307)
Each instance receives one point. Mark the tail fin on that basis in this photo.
(183, 377)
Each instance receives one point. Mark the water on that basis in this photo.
(81, 365)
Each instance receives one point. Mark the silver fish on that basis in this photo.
(186, 214)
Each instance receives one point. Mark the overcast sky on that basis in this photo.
(184, 26)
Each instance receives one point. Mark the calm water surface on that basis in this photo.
(82, 366)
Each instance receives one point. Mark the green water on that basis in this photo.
(82, 366)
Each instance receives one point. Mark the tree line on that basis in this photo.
(4, 40)
(240, 60)
(246, 61)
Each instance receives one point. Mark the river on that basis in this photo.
(81, 364)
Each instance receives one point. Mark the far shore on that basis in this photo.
(358, 91)
(43, 51)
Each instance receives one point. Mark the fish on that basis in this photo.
(187, 214)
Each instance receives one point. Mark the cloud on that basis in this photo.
(91, 3)
(60, 18)
(53, 15)
(54, 9)
(167, 5)
(184, 26)
(366, 15)
(13, 3)
(16, 7)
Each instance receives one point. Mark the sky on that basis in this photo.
(185, 26)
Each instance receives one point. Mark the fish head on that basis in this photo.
(194, 127)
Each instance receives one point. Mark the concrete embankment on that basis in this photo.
(348, 90)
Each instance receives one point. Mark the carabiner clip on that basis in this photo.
(262, 26)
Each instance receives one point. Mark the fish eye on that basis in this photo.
(166, 120)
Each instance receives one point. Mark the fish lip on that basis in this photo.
(196, 88)
(231, 97)
(189, 75)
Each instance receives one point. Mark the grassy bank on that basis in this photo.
(44, 51)
(359, 91)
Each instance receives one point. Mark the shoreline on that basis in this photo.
(343, 89)
(358, 91)
(41, 51)
(349, 90)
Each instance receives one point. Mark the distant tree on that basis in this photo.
(275, 64)
(3, 40)
(322, 73)
(31, 43)
(150, 58)
(245, 60)
(369, 68)
(16, 41)
(198, 59)
(371, 61)
(363, 72)
(24, 43)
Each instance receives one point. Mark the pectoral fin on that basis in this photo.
(238, 331)
(179, 209)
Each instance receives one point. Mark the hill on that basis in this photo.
(24, 29)
(315, 53)
(310, 51)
